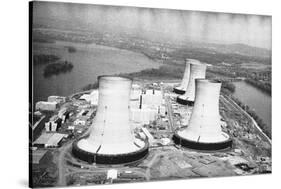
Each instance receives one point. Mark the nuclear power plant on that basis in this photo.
(204, 129)
(127, 131)
(139, 94)
(197, 71)
(184, 82)
(111, 139)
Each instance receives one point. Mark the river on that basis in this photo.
(90, 61)
(256, 99)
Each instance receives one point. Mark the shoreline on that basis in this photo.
(252, 119)
(138, 75)
(259, 87)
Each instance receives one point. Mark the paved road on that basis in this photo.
(61, 163)
(61, 160)
(169, 110)
(170, 115)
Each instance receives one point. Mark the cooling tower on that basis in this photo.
(204, 129)
(182, 88)
(111, 139)
(197, 71)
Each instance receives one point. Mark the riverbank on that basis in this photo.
(264, 87)
(256, 102)
(164, 72)
(262, 131)
(266, 129)
(253, 116)
(89, 61)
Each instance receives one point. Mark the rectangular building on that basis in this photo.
(46, 106)
(49, 140)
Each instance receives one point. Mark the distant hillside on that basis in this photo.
(238, 48)
(181, 41)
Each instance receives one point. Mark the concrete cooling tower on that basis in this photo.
(111, 139)
(204, 128)
(197, 71)
(182, 88)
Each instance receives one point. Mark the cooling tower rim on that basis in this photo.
(184, 101)
(208, 80)
(202, 146)
(192, 61)
(178, 90)
(198, 65)
(114, 78)
(123, 158)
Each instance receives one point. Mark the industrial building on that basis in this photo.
(152, 97)
(135, 92)
(143, 115)
(184, 82)
(53, 124)
(93, 97)
(204, 129)
(147, 107)
(38, 126)
(197, 71)
(64, 114)
(46, 106)
(148, 135)
(57, 99)
(81, 121)
(49, 140)
(111, 139)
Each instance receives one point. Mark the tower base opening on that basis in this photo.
(179, 91)
(184, 101)
(109, 158)
(202, 145)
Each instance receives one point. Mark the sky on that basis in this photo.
(254, 30)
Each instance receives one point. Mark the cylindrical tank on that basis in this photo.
(184, 82)
(204, 129)
(111, 139)
(197, 71)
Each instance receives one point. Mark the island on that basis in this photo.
(57, 68)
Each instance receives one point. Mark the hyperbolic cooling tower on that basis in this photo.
(197, 71)
(204, 128)
(111, 140)
(182, 88)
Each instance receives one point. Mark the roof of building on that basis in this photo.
(51, 98)
(46, 102)
(147, 133)
(54, 118)
(50, 138)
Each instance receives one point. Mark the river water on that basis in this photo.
(90, 61)
(256, 99)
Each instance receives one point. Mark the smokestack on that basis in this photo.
(111, 139)
(140, 101)
(184, 82)
(204, 128)
(197, 71)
